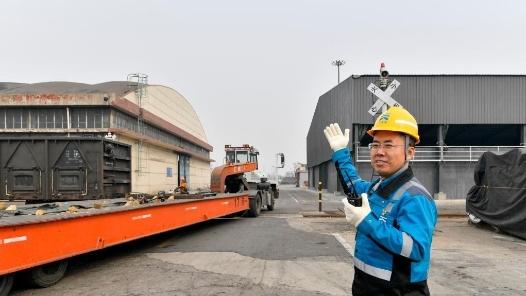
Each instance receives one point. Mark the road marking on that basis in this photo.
(294, 199)
(344, 243)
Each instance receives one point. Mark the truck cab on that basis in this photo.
(240, 173)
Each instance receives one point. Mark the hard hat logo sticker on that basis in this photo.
(384, 118)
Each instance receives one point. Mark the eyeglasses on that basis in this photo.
(385, 146)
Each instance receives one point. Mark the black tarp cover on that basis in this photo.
(499, 195)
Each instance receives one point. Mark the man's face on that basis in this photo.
(387, 161)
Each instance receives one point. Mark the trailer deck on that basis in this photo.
(30, 240)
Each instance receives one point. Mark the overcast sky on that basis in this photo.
(254, 70)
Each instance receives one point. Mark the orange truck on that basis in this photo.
(240, 174)
(38, 238)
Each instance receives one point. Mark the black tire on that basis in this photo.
(48, 274)
(6, 283)
(270, 207)
(255, 206)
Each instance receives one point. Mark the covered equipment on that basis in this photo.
(499, 195)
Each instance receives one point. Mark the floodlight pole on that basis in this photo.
(338, 63)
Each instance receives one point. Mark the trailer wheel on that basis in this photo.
(6, 283)
(48, 274)
(255, 206)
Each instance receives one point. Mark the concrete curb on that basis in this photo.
(446, 209)
(323, 214)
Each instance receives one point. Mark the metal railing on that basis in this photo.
(445, 153)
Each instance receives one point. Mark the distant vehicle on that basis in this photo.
(288, 180)
(240, 173)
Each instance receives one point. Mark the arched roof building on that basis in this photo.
(166, 135)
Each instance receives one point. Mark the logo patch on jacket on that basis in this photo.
(382, 217)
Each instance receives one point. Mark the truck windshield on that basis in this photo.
(231, 156)
(242, 156)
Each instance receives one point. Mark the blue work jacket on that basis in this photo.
(393, 242)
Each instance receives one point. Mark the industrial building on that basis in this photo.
(459, 117)
(164, 131)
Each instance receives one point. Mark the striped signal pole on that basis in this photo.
(319, 194)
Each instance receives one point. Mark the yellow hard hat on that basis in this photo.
(396, 119)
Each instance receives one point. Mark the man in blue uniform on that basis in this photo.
(397, 217)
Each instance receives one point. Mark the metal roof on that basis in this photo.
(62, 87)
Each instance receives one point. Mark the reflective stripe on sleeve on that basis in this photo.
(407, 245)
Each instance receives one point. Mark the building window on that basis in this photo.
(44, 118)
(125, 121)
(90, 118)
(53, 118)
(2, 118)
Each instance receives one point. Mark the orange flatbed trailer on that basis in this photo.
(28, 241)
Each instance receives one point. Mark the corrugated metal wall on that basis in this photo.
(445, 99)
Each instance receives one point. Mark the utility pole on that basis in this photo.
(338, 63)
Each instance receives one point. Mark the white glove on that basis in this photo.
(336, 138)
(355, 215)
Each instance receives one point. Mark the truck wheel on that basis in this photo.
(270, 207)
(255, 206)
(48, 274)
(6, 282)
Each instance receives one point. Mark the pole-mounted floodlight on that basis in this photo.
(280, 157)
(338, 63)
